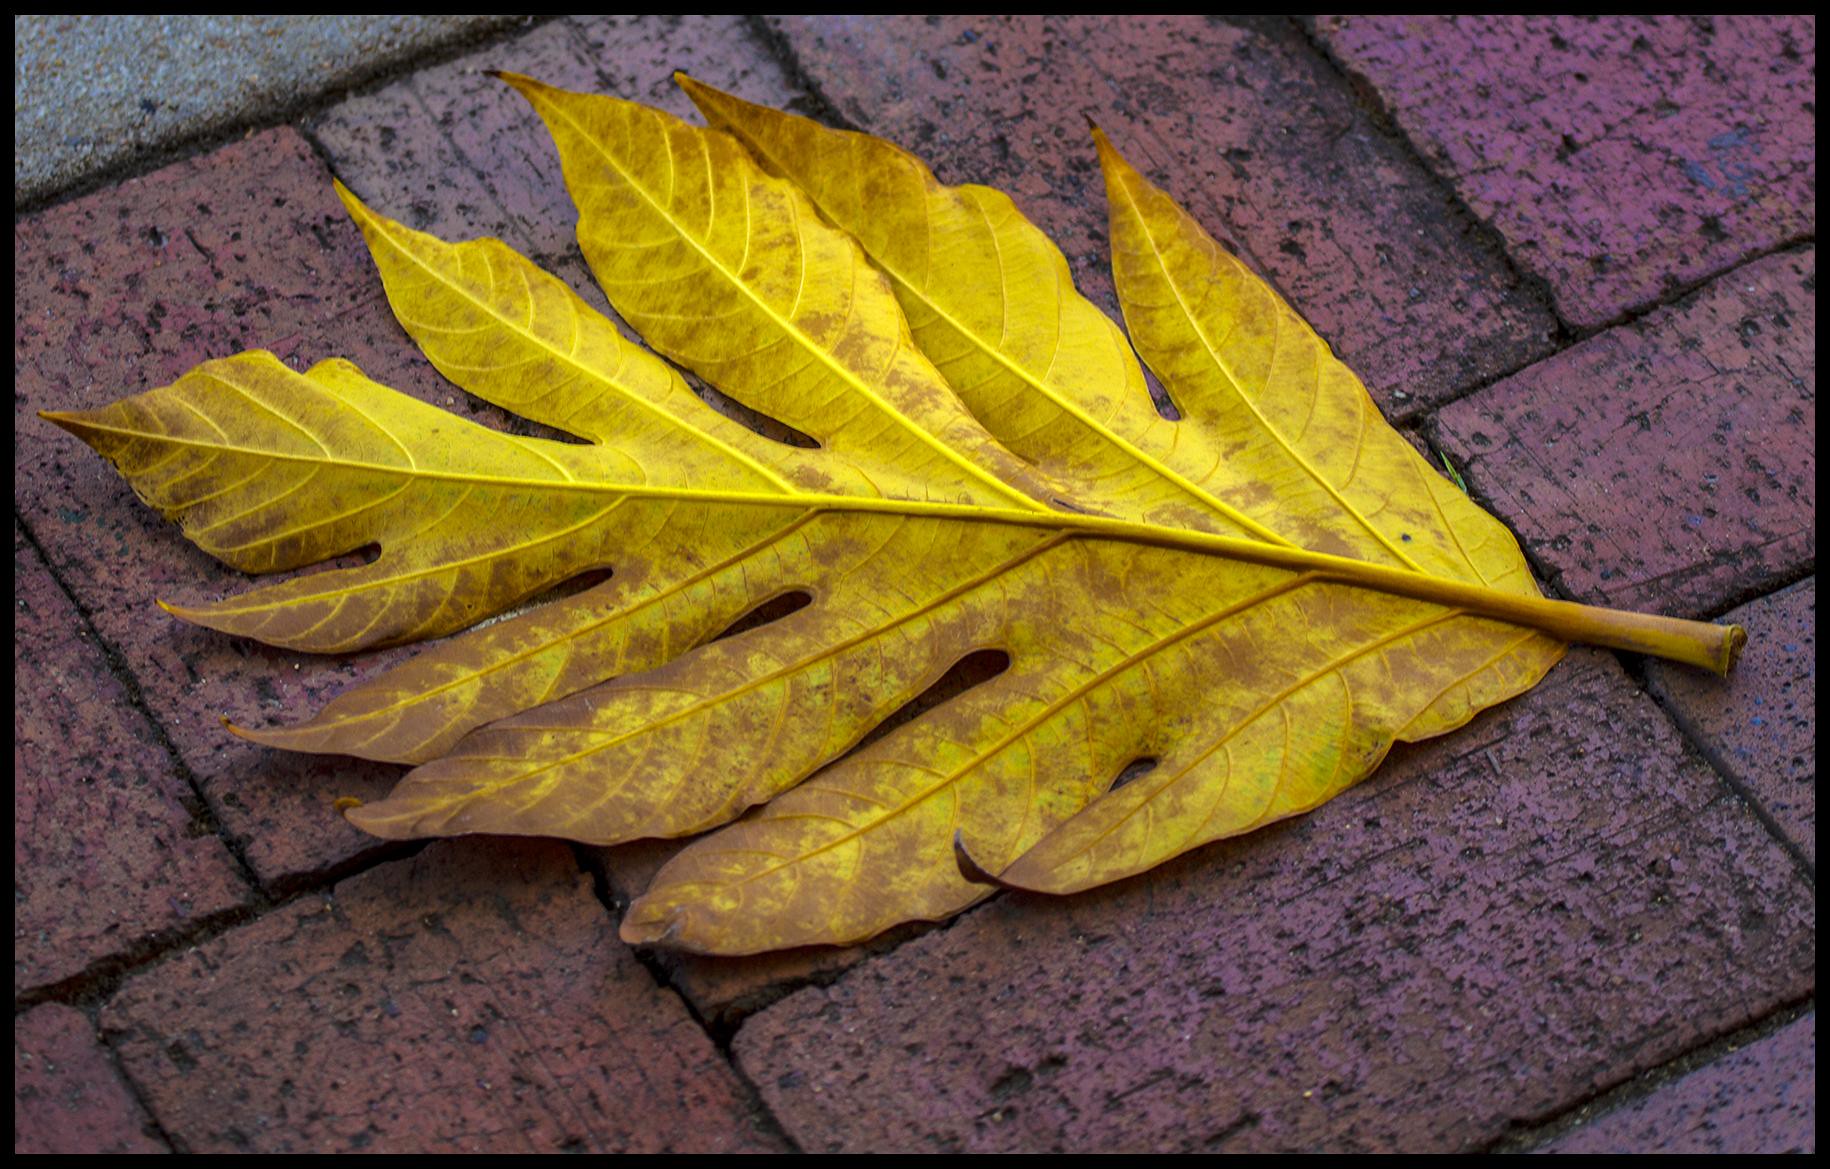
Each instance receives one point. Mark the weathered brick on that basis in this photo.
(1622, 157)
(243, 248)
(1760, 1099)
(1496, 926)
(123, 291)
(1760, 726)
(67, 1097)
(1246, 126)
(455, 152)
(473, 998)
(107, 853)
(1669, 464)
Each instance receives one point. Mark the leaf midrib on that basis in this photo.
(1067, 405)
(1226, 371)
(1713, 647)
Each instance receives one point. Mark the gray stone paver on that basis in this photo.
(93, 92)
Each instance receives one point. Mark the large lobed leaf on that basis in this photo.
(1249, 604)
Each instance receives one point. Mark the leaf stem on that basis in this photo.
(1696, 643)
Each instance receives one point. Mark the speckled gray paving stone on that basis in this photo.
(92, 92)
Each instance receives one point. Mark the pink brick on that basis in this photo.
(1760, 1099)
(115, 298)
(248, 247)
(1244, 125)
(1621, 157)
(1670, 464)
(109, 854)
(123, 291)
(1497, 926)
(455, 152)
(1760, 726)
(67, 1097)
(471, 999)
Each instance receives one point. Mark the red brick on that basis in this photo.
(725, 991)
(107, 853)
(1495, 927)
(115, 298)
(245, 248)
(1760, 1099)
(471, 999)
(455, 152)
(67, 1097)
(1669, 464)
(1622, 158)
(123, 291)
(1247, 126)
(1760, 726)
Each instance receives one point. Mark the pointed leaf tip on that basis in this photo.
(1109, 157)
(638, 930)
(697, 91)
(259, 736)
(969, 868)
(521, 83)
(708, 98)
(357, 209)
(240, 732)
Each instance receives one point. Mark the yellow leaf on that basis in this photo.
(990, 298)
(1255, 601)
(730, 273)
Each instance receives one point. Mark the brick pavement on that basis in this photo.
(1558, 253)
(1761, 1098)
(1620, 159)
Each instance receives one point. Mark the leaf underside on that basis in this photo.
(990, 474)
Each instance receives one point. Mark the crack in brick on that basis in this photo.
(1539, 1132)
(1486, 234)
